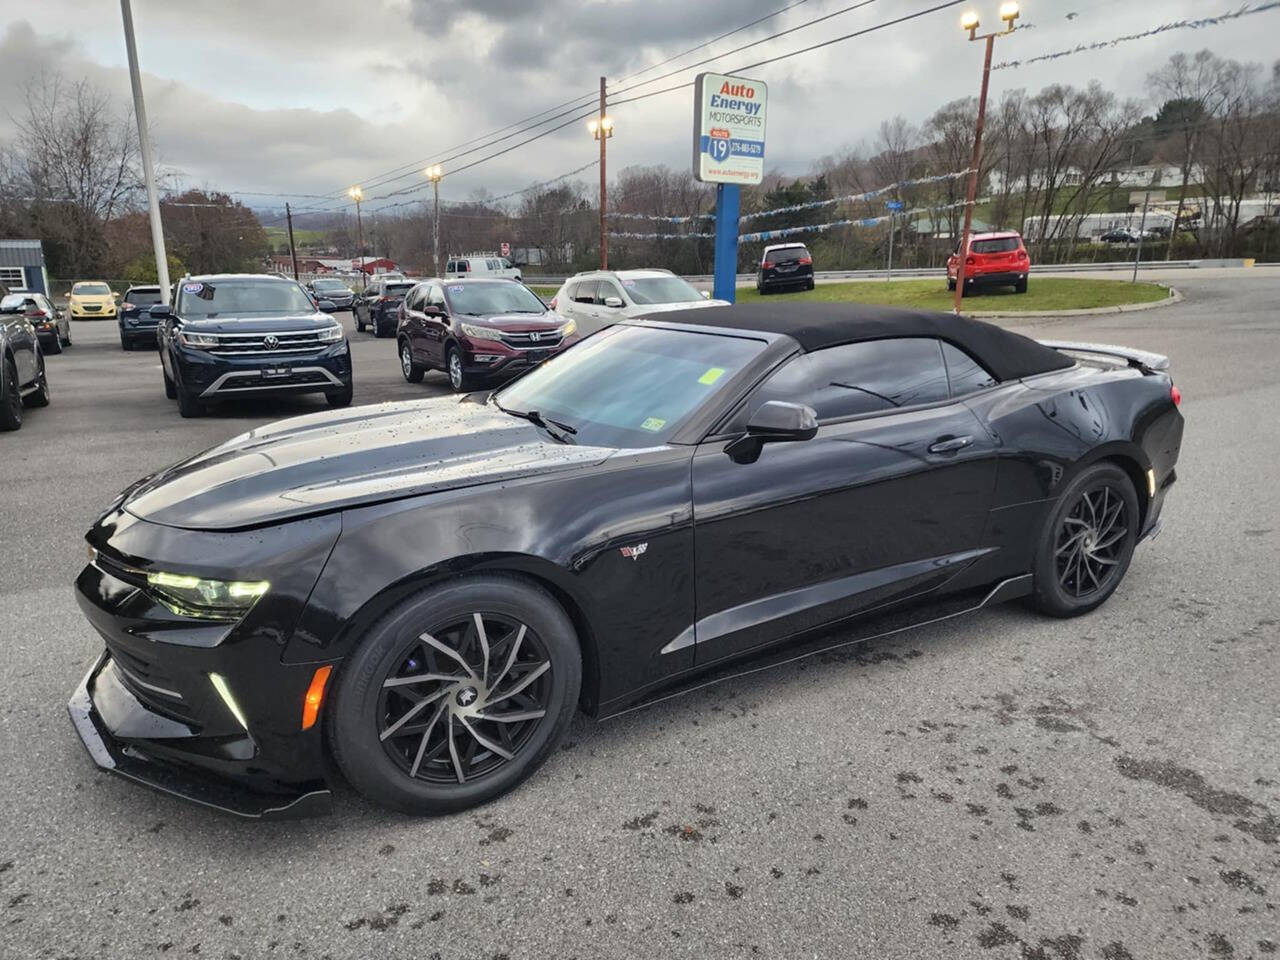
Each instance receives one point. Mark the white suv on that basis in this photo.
(481, 266)
(602, 297)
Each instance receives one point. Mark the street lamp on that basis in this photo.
(602, 129)
(434, 173)
(969, 22)
(356, 194)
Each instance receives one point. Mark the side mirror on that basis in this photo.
(434, 310)
(614, 302)
(775, 421)
(706, 294)
(160, 311)
(326, 306)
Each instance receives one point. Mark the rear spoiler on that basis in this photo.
(1144, 361)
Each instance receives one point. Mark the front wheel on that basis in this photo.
(340, 398)
(11, 399)
(188, 404)
(1087, 542)
(459, 379)
(456, 695)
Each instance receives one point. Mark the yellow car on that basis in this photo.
(91, 299)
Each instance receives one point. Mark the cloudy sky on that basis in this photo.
(307, 98)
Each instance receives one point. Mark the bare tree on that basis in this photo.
(1235, 151)
(79, 161)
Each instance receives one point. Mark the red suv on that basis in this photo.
(479, 332)
(994, 260)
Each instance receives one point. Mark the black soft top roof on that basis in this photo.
(816, 326)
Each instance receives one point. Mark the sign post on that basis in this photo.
(728, 150)
(894, 206)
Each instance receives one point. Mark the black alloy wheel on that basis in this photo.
(456, 695)
(1086, 548)
(11, 401)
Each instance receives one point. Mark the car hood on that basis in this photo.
(229, 323)
(362, 455)
(515, 322)
(649, 308)
(91, 299)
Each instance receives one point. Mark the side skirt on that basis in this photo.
(792, 649)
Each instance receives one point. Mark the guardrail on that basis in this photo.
(1116, 265)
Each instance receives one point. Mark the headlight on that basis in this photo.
(569, 329)
(481, 333)
(200, 341)
(209, 599)
(330, 334)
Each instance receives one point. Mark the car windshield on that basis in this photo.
(999, 245)
(329, 285)
(630, 386)
(787, 254)
(212, 298)
(90, 289)
(660, 290)
(143, 298)
(15, 303)
(488, 299)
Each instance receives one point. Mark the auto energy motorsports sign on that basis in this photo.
(728, 129)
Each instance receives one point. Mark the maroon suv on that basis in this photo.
(479, 332)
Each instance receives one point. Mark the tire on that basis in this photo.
(459, 379)
(56, 346)
(1020, 286)
(810, 285)
(340, 398)
(951, 284)
(188, 405)
(1087, 542)
(359, 323)
(409, 367)
(170, 390)
(418, 774)
(41, 397)
(11, 398)
(125, 343)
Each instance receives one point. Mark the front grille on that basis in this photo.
(152, 687)
(527, 341)
(252, 344)
(90, 307)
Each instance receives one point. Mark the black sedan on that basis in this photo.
(425, 592)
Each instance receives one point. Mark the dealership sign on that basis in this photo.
(728, 129)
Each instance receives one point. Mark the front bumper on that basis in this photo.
(80, 313)
(212, 377)
(102, 694)
(496, 361)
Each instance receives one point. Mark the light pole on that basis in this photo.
(1008, 13)
(602, 129)
(434, 174)
(356, 194)
(144, 147)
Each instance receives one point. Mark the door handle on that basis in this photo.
(949, 444)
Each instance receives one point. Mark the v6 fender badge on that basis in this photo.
(634, 552)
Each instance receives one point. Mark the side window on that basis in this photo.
(571, 290)
(586, 292)
(609, 289)
(450, 267)
(492, 264)
(435, 295)
(858, 378)
(414, 300)
(965, 373)
(464, 266)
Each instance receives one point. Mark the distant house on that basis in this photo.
(22, 267)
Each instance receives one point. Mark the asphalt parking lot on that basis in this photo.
(1002, 786)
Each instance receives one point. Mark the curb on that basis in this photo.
(1174, 297)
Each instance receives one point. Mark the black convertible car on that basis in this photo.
(425, 592)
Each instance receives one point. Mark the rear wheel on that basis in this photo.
(11, 401)
(951, 283)
(408, 366)
(456, 695)
(809, 285)
(1087, 542)
(56, 345)
(1020, 286)
(359, 323)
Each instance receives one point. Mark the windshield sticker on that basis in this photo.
(192, 287)
(653, 424)
(711, 376)
(628, 283)
(456, 288)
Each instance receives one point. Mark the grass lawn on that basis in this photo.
(546, 293)
(1043, 293)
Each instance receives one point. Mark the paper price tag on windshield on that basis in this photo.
(653, 424)
(711, 376)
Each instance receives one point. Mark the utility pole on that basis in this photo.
(1008, 13)
(144, 145)
(1142, 228)
(356, 194)
(293, 253)
(604, 135)
(434, 173)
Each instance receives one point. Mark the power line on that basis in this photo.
(808, 49)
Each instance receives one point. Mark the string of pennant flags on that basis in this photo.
(810, 205)
(765, 235)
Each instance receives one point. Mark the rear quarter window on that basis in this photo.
(964, 373)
